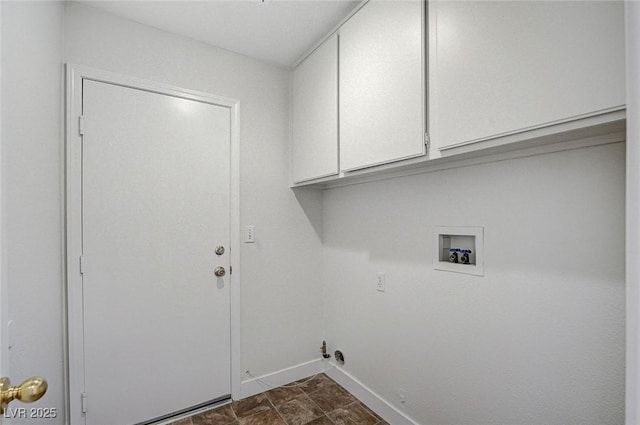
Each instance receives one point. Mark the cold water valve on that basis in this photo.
(323, 350)
(458, 255)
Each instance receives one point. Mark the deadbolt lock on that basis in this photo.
(219, 271)
(219, 250)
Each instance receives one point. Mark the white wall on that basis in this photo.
(632, 12)
(31, 189)
(281, 282)
(280, 273)
(538, 340)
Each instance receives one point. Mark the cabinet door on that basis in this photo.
(315, 114)
(382, 90)
(504, 67)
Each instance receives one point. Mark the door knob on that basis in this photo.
(219, 271)
(29, 391)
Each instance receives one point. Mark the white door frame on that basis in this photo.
(74, 336)
(4, 316)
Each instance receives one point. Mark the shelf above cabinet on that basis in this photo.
(562, 137)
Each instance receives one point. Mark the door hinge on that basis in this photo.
(81, 266)
(81, 125)
(83, 402)
(230, 270)
(427, 145)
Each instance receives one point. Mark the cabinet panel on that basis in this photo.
(505, 67)
(315, 114)
(382, 111)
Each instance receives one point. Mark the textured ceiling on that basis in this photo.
(276, 31)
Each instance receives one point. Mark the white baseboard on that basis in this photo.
(373, 401)
(369, 398)
(253, 386)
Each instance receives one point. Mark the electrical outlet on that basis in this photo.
(402, 395)
(250, 234)
(381, 283)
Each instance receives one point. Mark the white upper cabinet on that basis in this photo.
(315, 114)
(501, 74)
(500, 68)
(382, 84)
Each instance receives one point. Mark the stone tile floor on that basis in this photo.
(319, 401)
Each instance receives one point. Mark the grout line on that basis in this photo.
(255, 413)
(233, 412)
(305, 393)
(279, 414)
(276, 407)
(319, 408)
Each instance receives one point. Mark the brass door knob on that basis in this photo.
(29, 391)
(219, 271)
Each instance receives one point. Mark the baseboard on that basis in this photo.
(372, 400)
(383, 408)
(262, 383)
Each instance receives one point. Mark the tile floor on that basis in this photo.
(319, 401)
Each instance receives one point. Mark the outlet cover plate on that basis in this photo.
(381, 282)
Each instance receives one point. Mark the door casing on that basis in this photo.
(74, 358)
(4, 317)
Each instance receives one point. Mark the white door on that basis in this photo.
(155, 205)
